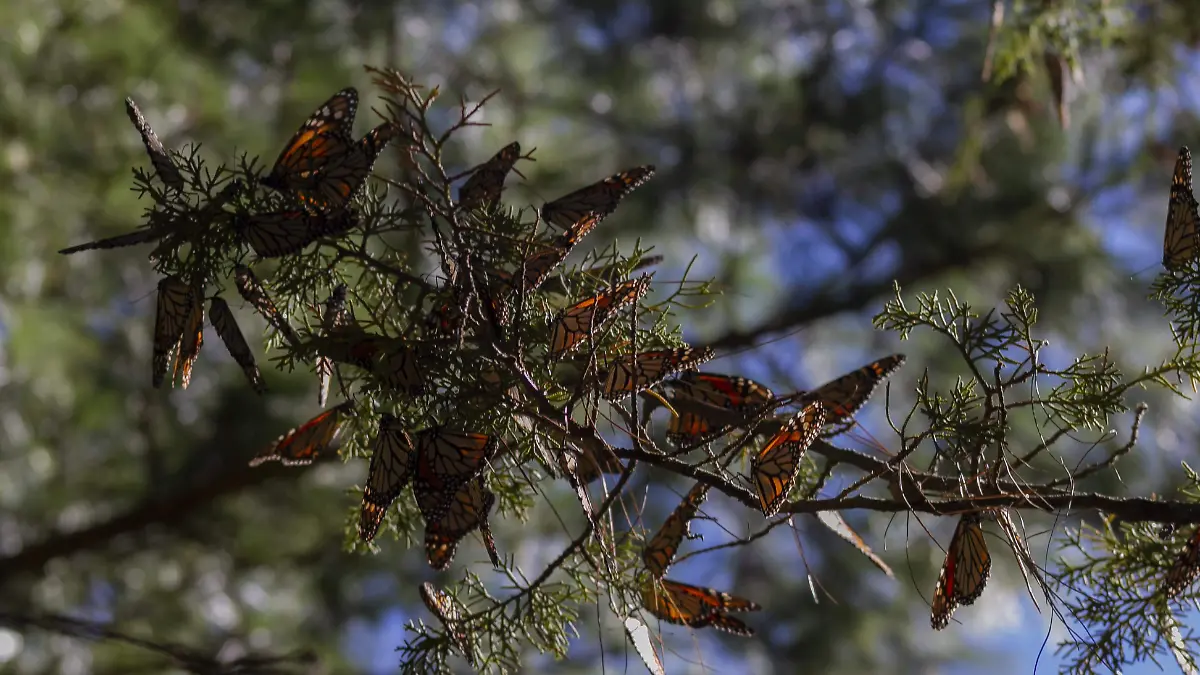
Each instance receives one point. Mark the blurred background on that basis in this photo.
(808, 154)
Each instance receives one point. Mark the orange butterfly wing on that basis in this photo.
(467, 512)
(579, 212)
(965, 572)
(1183, 221)
(846, 395)
(322, 139)
(661, 549)
(632, 373)
(391, 467)
(306, 442)
(583, 319)
(172, 314)
(774, 468)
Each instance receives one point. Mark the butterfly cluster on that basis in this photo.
(710, 406)
(455, 383)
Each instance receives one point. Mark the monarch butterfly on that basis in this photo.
(171, 316)
(302, 444)
(687, 605)
(467, 511)
(447, 460)
(391, 466)
(965, 572)
(142, 236)
(391, 360)
(336, 185)
(846, 395)
(568, 462)
(280, 233)
(1187, 565)
(447, 610)
(252, 291)
(192, 340)
(227, 329)
(487, 180)
(1179, 244)
(632, 373)
(735, 393)
(580, 211)
(583, 319)
(335, 308)
(164, 166)
(774, 469)
(661, 549)
(537, 269)
(591, 463)
(322, 140)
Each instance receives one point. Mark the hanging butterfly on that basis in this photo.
(533, 272)
(579, 212)
(391, 360)
(336, 185)
(1179, 243)
(586, 318)
(687, 605)
(568, 463)
(846, 395)
(141, 236)
(334, 316)
(227, 329)
(448, 611)
(774, 469)
(191, 341)
(661, 549)
(280, 233)
(252, 291)
(727, 391)
(467, 511)
(1186, 567)
(164, 166)
(447, 460)
(391, 467)
(303, 444)
(632, 373)
(487, 180)
(167, 229)
(965, 572)
(172, 313)
(591, 464)
(323, 140)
